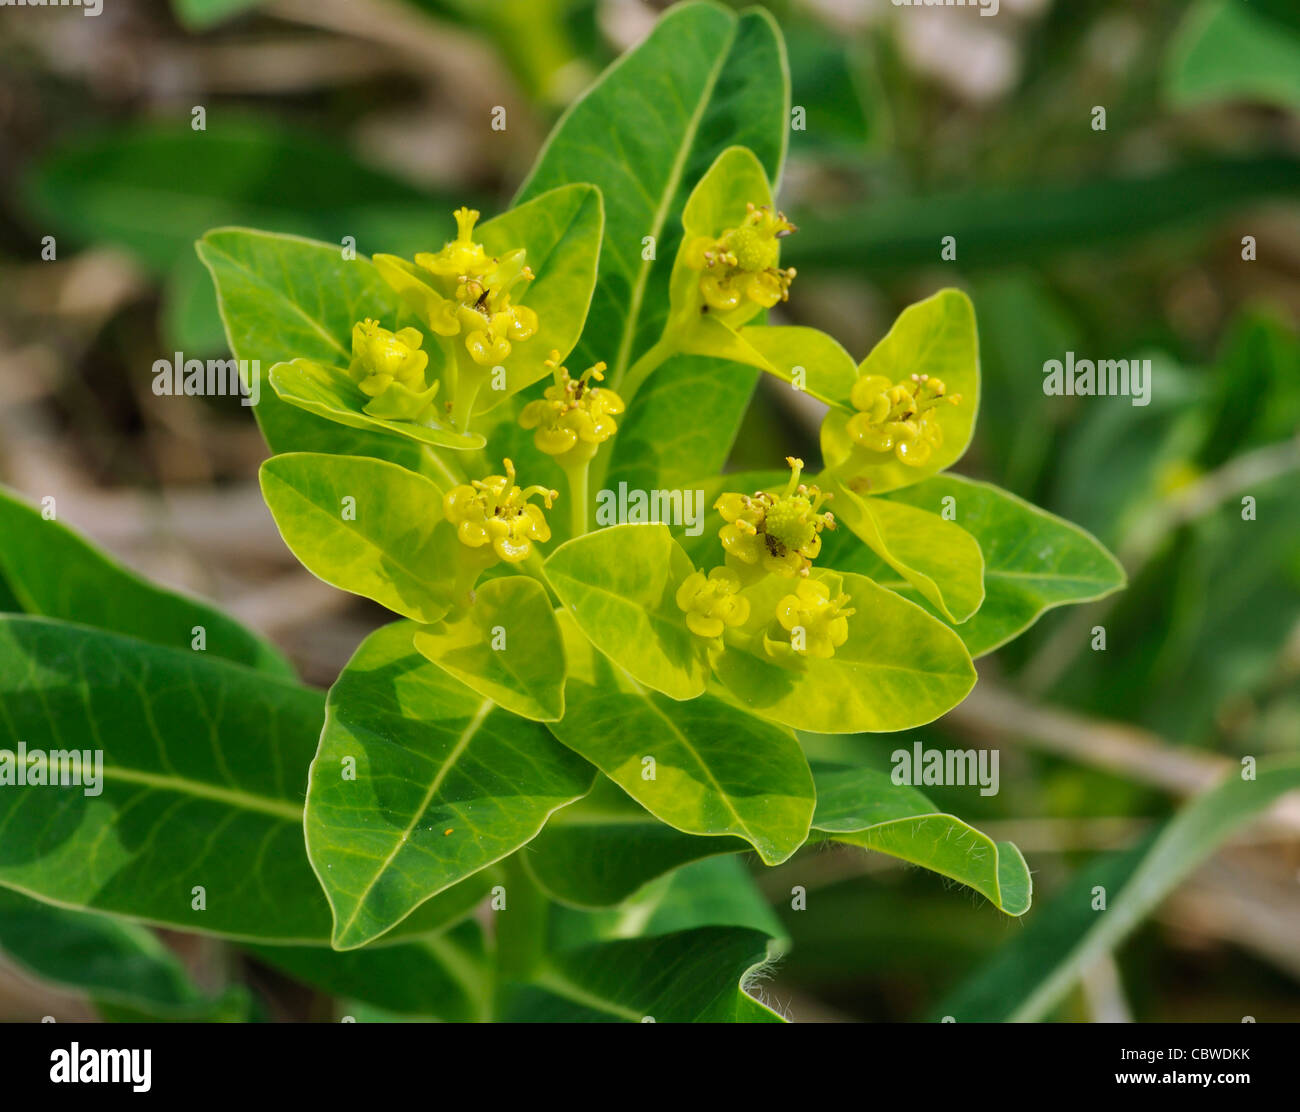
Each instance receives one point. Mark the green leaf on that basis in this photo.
(203, 769)
(937, 557)
(1029, 975)
(507, 647)
(714, 891)
(862, 807)
(620, 585)
(331, 393)
(441, 976)
(1227, 51)
(199, 15)
(602, 849)
(113, 961)
(1033, 560)
(55, 573)
(561, 231)
(704, 79)
(682, 424)
(899, 667)
(445, 784)
(395, 548)
(814, 362)
(284, 298)
(702, 766)
(934, 337)
(695, 976)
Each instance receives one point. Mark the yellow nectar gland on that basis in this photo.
(817, 623)
(573, 417)
(741, 263)
(778, 533)
(389, 368)
(711, 603)
(495, 511)
(481, 288)
(901, 418)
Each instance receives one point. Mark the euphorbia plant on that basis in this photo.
(564, 716)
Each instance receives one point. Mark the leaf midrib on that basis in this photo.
(462, 743)
(661, 214)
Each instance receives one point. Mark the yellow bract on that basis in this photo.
(901, 418)
(817, 623)
(494, 511)
(711, 602)
(573, 417)
(775, 533)
(463, 291)
(742, 263)
(389, 367)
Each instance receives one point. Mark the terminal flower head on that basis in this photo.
(574, 416)
(742, 263)
(390, 369)
(780, 533)
(818, 623)
(711, 602)
(902, 418)
(495, 511)
(463, 291)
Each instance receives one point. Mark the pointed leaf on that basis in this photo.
(702, 80)
(862, 807)
(56, 573)
(715, 770)
(445, 784)
(1033, 560)
(937, 557)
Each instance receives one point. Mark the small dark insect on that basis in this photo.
(774, 546)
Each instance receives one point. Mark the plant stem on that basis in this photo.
(629, 383)
(577, 476)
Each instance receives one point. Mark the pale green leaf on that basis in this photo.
(702, 766)
(368, 527)
(899, 667)
(620, 585)
(507, 647)
(934, 337)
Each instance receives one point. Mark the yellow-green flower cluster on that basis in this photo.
(775, 533)
(742, 263)
(779, 534)
(818, 623)
(463, 291)
(573, 417)
(390, 369)
(495, 511)
(712, 603)
(901, 417)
